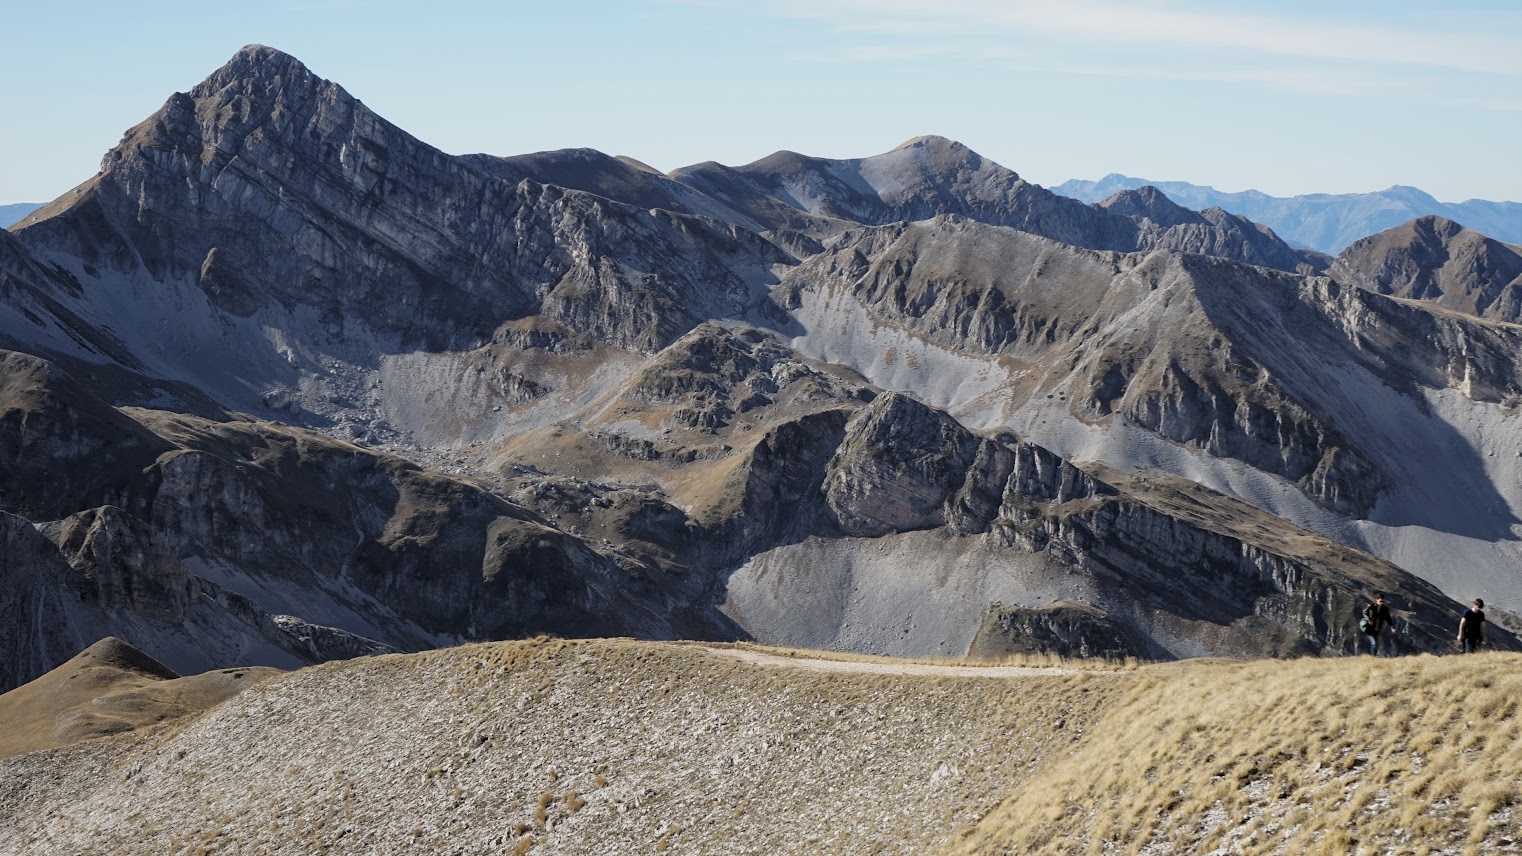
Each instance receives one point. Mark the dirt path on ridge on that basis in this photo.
(814, 664)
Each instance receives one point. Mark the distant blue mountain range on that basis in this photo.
(1321, 221)
(12, 214)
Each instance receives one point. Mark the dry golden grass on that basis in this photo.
(1410, 755)
(108, 689)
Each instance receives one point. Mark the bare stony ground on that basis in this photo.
(561, 747)
(617, 746)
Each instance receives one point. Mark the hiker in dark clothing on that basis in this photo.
(1472, 627)
(1376, 617)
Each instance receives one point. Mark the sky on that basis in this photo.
(1286, 97)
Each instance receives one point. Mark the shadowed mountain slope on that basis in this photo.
(205, 541)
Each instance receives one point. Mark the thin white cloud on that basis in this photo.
(1173, 25)
(1321, 80)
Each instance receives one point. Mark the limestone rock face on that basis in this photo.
(1174, 344)
(100, 572)
(1067, 629)
(286, 384)
(898, 465)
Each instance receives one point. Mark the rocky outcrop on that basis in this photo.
(898, 464)
(1063, 629)
(1439, 261)
(1212, 232)
(1187, 588)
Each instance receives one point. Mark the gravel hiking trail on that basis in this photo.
(813, 664)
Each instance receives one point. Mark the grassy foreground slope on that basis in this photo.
(612, 746)
(1353, 755)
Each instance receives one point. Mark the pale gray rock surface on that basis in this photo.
(588, 748)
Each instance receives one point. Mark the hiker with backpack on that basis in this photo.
(1376, 617)
(1472, 627)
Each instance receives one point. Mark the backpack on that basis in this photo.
(1367, 624)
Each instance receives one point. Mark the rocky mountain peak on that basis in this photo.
(258, 88)
(933, 162)
(1435, 229)
(116, 653)
(1150, 203)
(929, 141)
(1437, 259)
(939, 152)
(259, 61)
(1407, 193)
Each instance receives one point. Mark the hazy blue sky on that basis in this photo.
(1288, 97)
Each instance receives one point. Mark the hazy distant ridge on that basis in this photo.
(12, 214)
(1328, 222)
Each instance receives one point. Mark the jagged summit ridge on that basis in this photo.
(931, 176)
(930, 141)
(256, 62)
(245, 93)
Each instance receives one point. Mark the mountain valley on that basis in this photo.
(283, 384)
